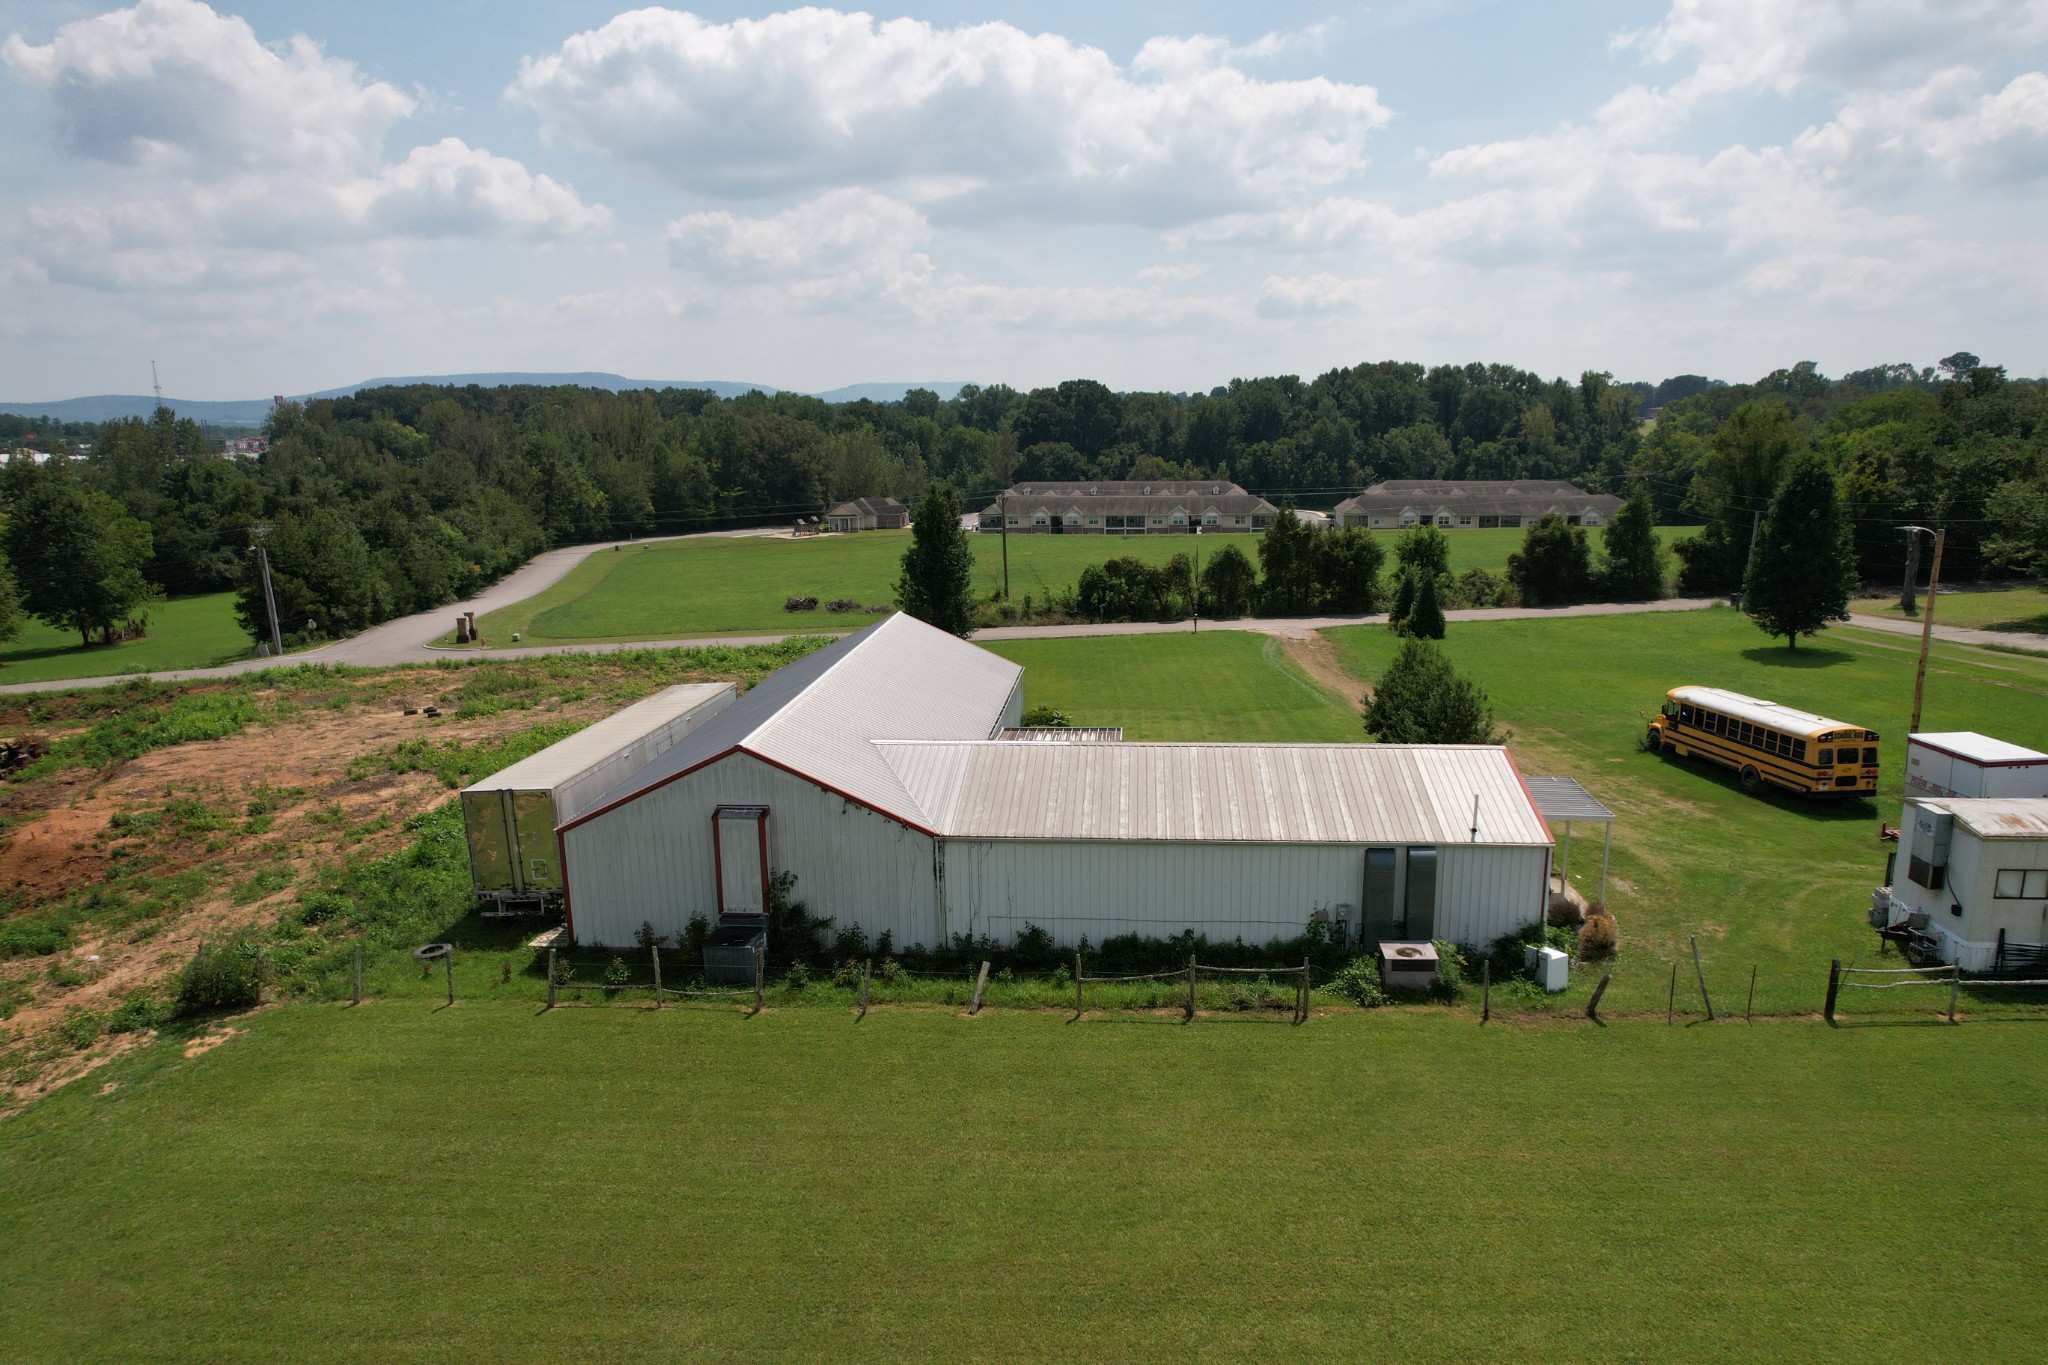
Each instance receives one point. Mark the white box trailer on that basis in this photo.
(1964, 763)
(511, 816)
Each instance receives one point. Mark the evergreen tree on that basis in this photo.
(1635, 559)
(1804, 567)
(1421, 699)
(1403, 604)
(1425, 619)
(1554, 567)
(12, 618)
(1348, 570)
(1287, 554)
(1229, 583)
(936, 585)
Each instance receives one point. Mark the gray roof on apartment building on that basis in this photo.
(1480, 497)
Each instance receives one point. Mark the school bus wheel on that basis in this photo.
(1750, 778)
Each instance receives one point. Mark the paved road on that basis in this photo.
(410, 639)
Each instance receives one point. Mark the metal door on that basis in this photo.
(739, 840)
(533, 818)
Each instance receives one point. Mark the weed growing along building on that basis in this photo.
(1474, 504)
(876, 771)
(1128, 507)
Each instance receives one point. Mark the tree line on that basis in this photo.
(401, 498)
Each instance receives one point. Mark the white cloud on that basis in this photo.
(1007, 122)
(237, 161)
(1291, 296)
(846, 246)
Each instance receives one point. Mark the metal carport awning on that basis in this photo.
(1561, 800)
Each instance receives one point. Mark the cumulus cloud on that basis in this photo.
(988, 117)
(1293, 296)
(237, 157)
(845, 246)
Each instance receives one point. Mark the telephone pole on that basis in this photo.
(1926, 625)
(1004, 535)
(1906, 599)
(257, 534)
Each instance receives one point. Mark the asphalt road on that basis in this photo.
(410, 639)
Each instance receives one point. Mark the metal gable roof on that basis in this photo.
(1232, 793)
(583, 750)
(898, 678)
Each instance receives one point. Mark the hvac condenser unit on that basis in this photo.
(1927, 854)
(1407, 966)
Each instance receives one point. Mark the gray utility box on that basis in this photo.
(510, 818)
(733, 948)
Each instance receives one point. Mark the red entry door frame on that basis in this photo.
(734, 899)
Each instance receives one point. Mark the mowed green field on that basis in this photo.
(185, 632)
(2023, 608)
(737, 585)
(1225, 684)
(400, 1182)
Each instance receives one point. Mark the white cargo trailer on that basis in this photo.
(1965, 763)
(510, 817)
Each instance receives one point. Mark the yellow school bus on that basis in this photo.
(1765, 742)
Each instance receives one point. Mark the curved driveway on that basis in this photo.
(410, 639)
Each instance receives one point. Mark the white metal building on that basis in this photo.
(875, 770)
(1971, 873)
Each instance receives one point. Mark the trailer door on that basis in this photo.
(533, 816)
(490, 842)
(739, 849)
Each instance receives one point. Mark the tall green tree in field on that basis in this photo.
(1804, 566)
(1747, 460)
(12, 618)
(77, 557)
(937, 581)
(1229, 583)
(1425, 618)
(1287, 555)
(1635, 560)
(1554, 567)
(1348, 570)
(1421, 699)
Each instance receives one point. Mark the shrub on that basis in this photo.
(1048, 718)
(694, 935)
(850, 944)
(799, 976)
(646, 938)
(844, 604)
(800, 604)
(222, 976)
(618, 973)
(1564, 911)
(1598, 937)
(892, 971)
(1359, 982)
(1450, 970)
(81, 1027)
(139, 1013)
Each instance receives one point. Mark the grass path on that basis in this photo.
(403, 1183)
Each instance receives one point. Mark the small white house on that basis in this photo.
(878, 771)
(1970, 878)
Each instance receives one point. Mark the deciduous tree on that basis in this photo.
(1554, 567)
(1804, 566)
(77, 557)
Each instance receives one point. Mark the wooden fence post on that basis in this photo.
(1593, 1005)
(1834, 986)
(1190, 1011)
(1751, 1004)
(1077, 983)
(551, 978)
(654, 951)
(1998, 956)
(1955, 978)
(975, 1006)
(1702, 976)
(355, 994)
(1671, 999)
(1485, 989)
(450, 961)
(760, 966)
(1302, 1017)
(865, 973)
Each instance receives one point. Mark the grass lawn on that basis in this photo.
(2015, 608)
(185, 632)
(1218, 684)
(737, 585)
(1769, 881)
(399, 1182)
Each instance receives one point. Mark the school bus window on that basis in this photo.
(1799, 749)
(1870, 757)
(1825, 758)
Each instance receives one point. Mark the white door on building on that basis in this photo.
(739, 840)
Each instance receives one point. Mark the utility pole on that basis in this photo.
(1195, 583)
(257, 534)
(1927, 628)
(1004, 502)
(1906, 602)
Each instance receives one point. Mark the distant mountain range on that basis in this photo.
(250, 412)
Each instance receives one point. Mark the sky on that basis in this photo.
(274, 197)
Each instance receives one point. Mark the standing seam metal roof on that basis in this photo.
(1232, 793)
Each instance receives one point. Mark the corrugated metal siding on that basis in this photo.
(650, 860)
(601, 745)
(1279, 793)
(1257, 892)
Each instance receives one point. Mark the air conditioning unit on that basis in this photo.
(1550, 968)
(1408, 966)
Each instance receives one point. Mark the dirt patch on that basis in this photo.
(200, 1046)
(1318, 658)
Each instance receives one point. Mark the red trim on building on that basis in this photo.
(1541, 823)
(568, 912)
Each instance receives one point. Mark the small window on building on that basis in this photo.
(1039, 520)
(1095, 521)
(2022, 884)
(1464, 521)
(1922, 873)
(1159, 521)
(1237, 521)
(1443, 518)
(1592, 518)
(1408, 518)
(1510, 521)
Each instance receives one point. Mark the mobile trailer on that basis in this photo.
(510, 817)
